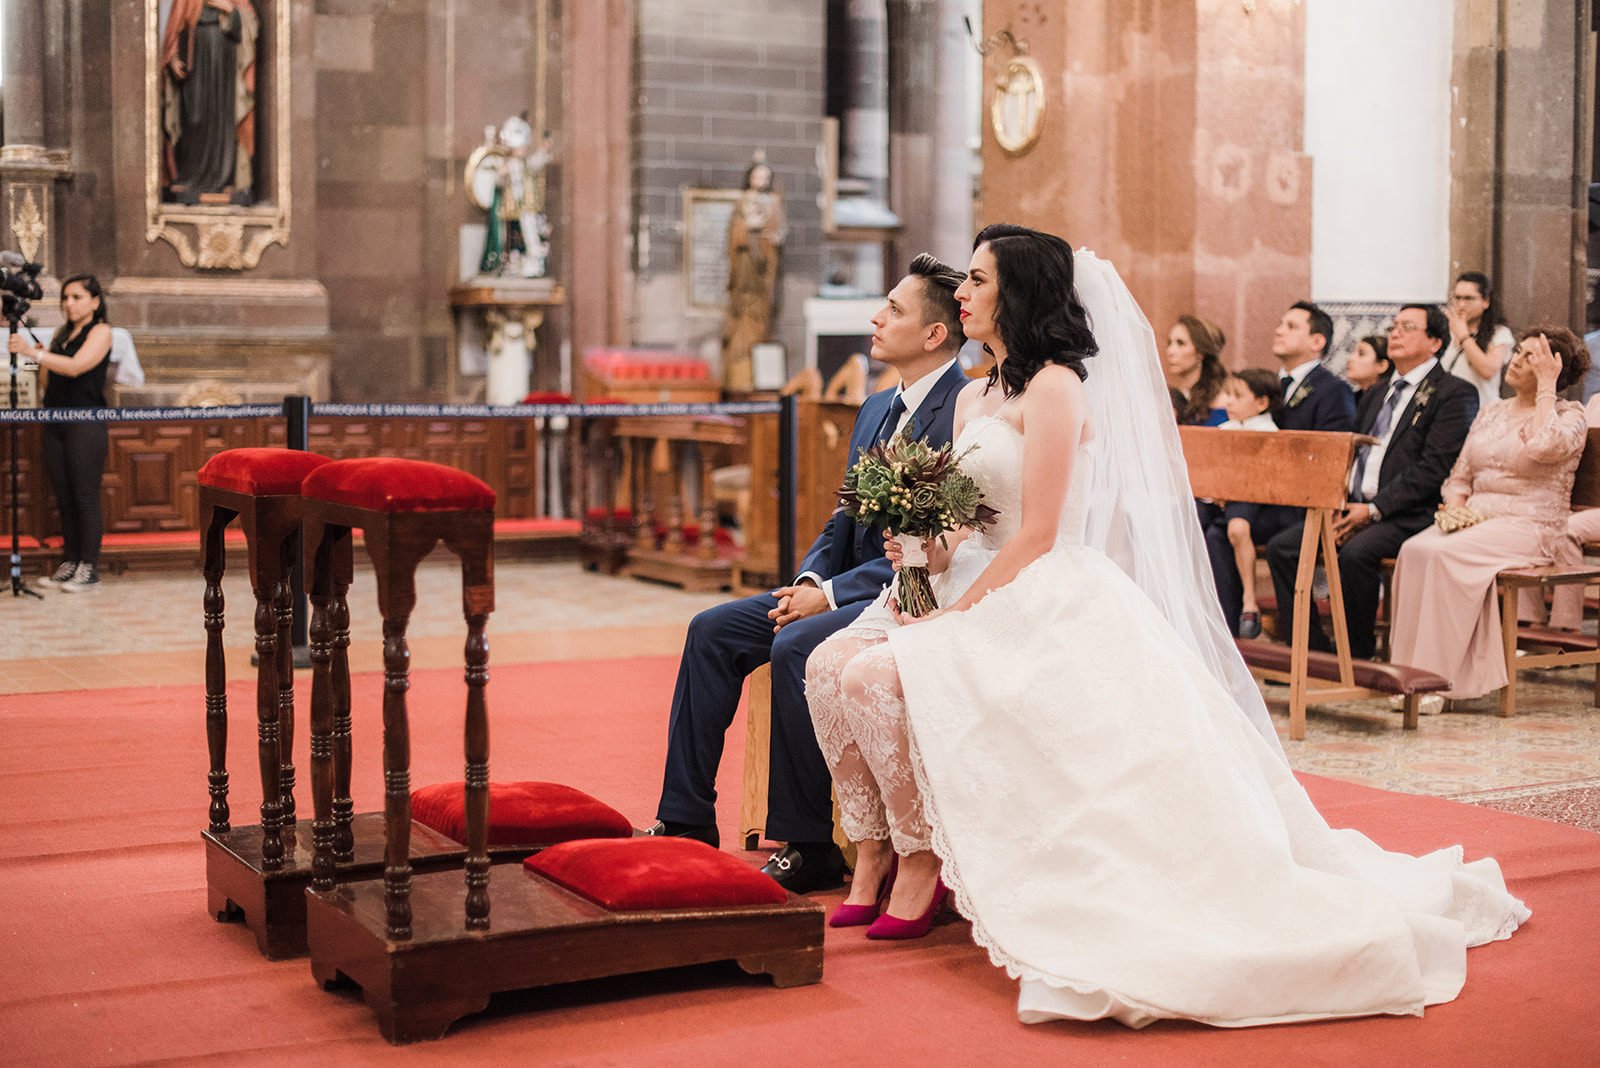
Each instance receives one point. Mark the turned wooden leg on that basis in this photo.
(216, 672)
(397, 778)
(344, 842)
(322, 826)
(644, 508)
(267, 728)
(707, 549)
(477, 752)
(675, 508)
(284, 606)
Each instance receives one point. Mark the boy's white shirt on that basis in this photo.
(1262, 421)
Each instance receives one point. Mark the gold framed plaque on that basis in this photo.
(1016, 111)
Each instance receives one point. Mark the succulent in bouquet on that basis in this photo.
(914, 491)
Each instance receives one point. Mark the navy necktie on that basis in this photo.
(892, 420)
(1380, 427)
(1284, 382)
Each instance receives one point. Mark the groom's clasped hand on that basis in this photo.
(797, 602)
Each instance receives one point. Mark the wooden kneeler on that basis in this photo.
(259, 873)
(424, 947)
(1304, 469)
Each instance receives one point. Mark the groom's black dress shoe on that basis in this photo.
(706, 833)
(802, 867)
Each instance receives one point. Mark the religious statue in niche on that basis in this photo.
(503, 180)
(208, 103)
(755, 240)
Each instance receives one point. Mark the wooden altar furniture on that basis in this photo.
(1304, 469)
(653, 449)
(647, 376)
(513, 310)
(421, 946)
(1528, 646)
(823, 437)
(260, 872)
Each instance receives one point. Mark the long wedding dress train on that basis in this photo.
(1121, 837)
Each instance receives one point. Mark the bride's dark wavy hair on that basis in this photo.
(1037, 311)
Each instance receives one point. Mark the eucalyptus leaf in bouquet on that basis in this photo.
(914, 491)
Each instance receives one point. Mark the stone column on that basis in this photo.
(1521, 154)
(24, 77)
(28, 168)
(864, 126)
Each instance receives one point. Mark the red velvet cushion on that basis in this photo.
(260, 472)
(634, 874)
(520, 813)
(544, 396)
(390, 484)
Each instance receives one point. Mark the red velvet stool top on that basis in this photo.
(260, 472)
(521, 813)
(636, 874)
(391, 484)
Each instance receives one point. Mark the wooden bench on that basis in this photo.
(1302, 469)
(1560, 648)
(757, 768)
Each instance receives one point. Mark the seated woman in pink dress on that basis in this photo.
(1515, 471)
(1566, 602)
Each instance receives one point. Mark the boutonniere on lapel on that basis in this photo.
(1300, 394)
(1424, 392)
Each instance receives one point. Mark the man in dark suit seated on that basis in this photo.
(918, 333)
(1314, 398)
(1420, 420)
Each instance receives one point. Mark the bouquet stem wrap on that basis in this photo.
(915, 589)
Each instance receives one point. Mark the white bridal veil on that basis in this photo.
(1142, 513)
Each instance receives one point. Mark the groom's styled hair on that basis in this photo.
(939, 282)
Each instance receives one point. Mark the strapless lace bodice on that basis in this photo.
(995, 463)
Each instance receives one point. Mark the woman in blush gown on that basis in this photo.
(1516, 468)
(1080, 756)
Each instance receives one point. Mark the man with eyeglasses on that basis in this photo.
(1314, 398)
(1420, 422)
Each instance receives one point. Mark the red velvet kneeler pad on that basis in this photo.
(638, 874)
(521, 813)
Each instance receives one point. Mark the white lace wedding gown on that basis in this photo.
(1121, 837)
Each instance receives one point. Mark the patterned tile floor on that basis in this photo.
(145, 629)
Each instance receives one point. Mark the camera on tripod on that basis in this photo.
(19, 287)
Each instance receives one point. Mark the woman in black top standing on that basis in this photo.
(75, 453)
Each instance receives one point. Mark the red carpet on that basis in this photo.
(110, 957)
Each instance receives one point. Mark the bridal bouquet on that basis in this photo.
(914, 491)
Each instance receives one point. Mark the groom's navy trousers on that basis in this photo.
(728, 642)
(725, 644)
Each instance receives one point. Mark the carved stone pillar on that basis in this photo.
(28, 168)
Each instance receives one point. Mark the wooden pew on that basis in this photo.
(1303, 469)
(1560, 648)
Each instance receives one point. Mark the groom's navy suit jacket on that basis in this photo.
(729, 641)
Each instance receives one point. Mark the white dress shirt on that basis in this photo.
(1407, 385)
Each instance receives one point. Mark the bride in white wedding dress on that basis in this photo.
(1072, 745)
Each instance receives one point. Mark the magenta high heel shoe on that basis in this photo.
(858, 915)
(887, 926)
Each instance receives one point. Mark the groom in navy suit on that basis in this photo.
(918, 333)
